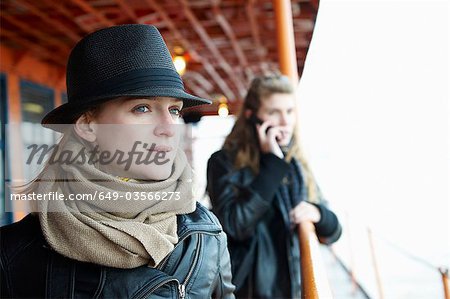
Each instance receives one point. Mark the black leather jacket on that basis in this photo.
(264, 246)
(199, 266)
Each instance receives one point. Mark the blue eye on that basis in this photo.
(141, 109)
(175, 111)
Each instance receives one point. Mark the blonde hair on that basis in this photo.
(243, 141)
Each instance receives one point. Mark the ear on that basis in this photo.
(248, 113)
(85, 128)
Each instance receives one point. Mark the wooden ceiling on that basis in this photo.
(227, 42)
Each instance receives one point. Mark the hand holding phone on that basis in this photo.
(257, 121)
(268, 136)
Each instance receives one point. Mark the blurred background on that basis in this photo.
(374, 112)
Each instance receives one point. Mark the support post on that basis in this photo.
(285, 39)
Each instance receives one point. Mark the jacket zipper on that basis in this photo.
(164, 261)
(182, 287)
(181, 291)
(147, 293)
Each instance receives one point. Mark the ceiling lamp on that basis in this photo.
(179, 60)
(180, 64)
(223, 107)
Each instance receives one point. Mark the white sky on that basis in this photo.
(375, 126)
(374, 114)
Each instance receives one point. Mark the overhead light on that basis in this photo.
(178, 50)
(223, 110)
(180, 64)
(223, 107)
(180, 59)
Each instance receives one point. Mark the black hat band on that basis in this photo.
(133, 80)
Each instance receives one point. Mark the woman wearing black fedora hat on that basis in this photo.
(120, 220)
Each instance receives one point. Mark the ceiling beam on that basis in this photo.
(141, 20)
(65, 12)
(197, 90)
(54, 23)
(128, 10)
(89, 9)
(188, 46)
(39, 50)
(204, 83)
(226, 27)
(38, 34)
(210, 45)
(216, 77)
(259, 48)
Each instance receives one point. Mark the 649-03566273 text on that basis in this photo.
(97, 195)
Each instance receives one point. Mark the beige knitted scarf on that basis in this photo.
(118, 232)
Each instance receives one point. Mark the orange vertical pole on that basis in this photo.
(287, 56)
(445, 279)
(287, 60)
(308, 282)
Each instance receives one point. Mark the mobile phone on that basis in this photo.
(256, 120)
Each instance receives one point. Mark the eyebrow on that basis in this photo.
(277, 109)
(178, 101)
(127, 99)
(174, 100)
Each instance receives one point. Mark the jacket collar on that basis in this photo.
(201, 220)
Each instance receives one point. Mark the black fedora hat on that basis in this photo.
(120, 61)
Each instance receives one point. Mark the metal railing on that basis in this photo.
(314, 279)
(443, 271)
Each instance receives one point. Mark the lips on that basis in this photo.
(161, 148)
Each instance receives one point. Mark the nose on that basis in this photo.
(165, 125)
(284, 119)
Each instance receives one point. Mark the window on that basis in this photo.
(36, 102)
(5, 218)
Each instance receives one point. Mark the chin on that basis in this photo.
(160, 173)
(160, 177)
(150, 172)
(284, 142)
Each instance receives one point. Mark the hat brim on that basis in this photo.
(69, 112)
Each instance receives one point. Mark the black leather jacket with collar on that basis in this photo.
(198, 267)
(263, 244)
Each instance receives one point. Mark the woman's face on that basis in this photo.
(278, 109)
(144, 129)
